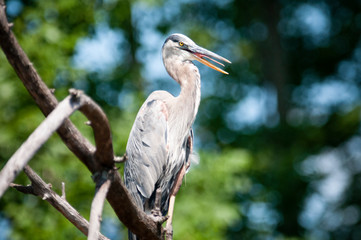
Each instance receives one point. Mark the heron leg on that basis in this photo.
(175, 189)
(173, 193)
(156, 214)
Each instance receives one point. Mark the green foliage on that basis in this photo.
(205, 205)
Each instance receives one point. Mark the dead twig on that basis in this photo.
(39, 188)
(102, 186)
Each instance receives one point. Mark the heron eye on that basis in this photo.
(181, 44)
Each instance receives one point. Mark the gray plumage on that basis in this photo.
(158, 145)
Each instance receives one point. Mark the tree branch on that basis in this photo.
(41, 134)
(102, 186)
(118, 197)
(103, 140)
(39, 188)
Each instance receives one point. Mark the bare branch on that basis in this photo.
(102, 186)
(102, 134)
(39, 188)
(42, 133)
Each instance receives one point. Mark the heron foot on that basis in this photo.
(157, 216)
(121, 159)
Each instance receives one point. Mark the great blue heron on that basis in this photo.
(160, 142)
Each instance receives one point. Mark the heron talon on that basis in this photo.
(121, 159)
(156, 212)
(157, 217)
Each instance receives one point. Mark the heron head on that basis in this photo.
(179, 46)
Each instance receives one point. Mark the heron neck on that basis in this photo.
(190, 95)
(185, 105)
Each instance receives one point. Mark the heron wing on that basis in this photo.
(147, 147)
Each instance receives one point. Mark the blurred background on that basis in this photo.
(278, 138)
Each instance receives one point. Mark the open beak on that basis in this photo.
(201, 53)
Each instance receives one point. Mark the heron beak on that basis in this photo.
(201, 53)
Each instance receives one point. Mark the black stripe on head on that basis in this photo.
(178, 37)
(174, 38)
